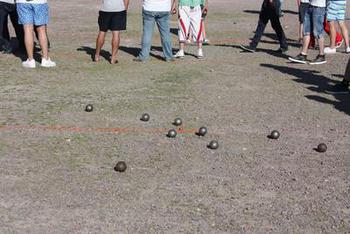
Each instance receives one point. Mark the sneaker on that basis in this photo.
(29, 63)
(339, 44)
(206, 41)
(320, 59)
(347, 50)
(180, 54)
(248, 48)
(329, 50)
(300, 58)
(138, 60)
(200, 54)
(282, 50)
(47, 63)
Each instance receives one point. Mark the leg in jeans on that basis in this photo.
(317, 20)
(115, 46)
(263, 20)
(148, 27)
(162, 20)
(276, 25)
(18, 28)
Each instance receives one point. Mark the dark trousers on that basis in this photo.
(270, 12)
(7, 9)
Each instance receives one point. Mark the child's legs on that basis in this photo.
(43, 40)
(333, 33)
(345, 32)
(115, 44)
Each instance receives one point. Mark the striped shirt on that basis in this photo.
(190, 3)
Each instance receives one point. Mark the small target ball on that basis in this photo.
(120, 167)
(274, 135)
(322, 148)
(202, 131)
(172, 133)
(89, 108)
(145, 117)
(178, 122)
(213, 145)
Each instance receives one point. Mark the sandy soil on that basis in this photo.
(56, 161)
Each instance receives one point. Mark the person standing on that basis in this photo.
(156, 12)
(313, 23)
(336, 11)
(8, 8)
(190, 19)
(34, 13)
(269, 12)
(112, 16)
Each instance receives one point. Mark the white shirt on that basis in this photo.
(32, 2)
(305, 1)
(8, 1)
(318, 3)
(157, 5)
(113, 5)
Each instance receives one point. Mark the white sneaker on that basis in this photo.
(329, 50)
(180, 54)
(29, 63)
(200, 54)
(47, 63)
(347, 50)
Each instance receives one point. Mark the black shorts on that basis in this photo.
(114, 21)
(302, 10)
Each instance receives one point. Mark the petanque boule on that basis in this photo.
(213, 145)
(274, 135)
(89, 108)
(202, 131)
(172, 133)
(120, 166)
(177, 122)
(321, 148)
(145, 117)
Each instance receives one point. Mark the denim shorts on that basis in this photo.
(313, 21)
(36, 14)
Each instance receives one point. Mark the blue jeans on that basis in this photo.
(313, 21)
(162, 20)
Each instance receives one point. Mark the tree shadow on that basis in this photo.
(318, 83)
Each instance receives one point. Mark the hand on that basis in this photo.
(205, 10)
(173, 11)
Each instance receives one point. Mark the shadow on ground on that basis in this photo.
(283, 11)
(318, 83)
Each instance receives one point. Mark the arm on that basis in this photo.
(174, 6)
(206, 4)
(126, 4)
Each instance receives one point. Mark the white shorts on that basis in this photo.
(190, 19)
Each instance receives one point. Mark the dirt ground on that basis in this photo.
(56, 161)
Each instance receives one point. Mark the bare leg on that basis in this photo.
(306, 43)
(99, 44)
(115, 46)
(43, 41)
(321, 45)
(345, 32)
(29, 40)
(301, 29)
(333, 33)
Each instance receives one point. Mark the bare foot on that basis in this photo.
(97, 58)
(114, 60)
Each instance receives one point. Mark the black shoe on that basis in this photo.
(249, 48)
(282, 50)
(300, 58)
(320, 59)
